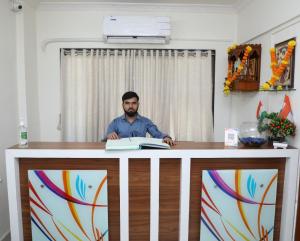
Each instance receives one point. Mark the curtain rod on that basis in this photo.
(140, 49)
(67, 51)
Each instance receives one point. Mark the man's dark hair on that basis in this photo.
(129, 95)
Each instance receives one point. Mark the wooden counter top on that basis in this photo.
(182, 145)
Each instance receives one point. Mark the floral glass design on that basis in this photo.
(238, 204)
(68, 205)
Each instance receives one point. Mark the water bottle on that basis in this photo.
(23, 138)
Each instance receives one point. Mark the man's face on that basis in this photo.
(131, 106)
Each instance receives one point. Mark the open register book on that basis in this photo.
(136, 143)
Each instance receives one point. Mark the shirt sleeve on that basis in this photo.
(111, 128)
(153, 130)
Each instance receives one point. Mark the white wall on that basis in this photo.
(8, 101)
(265, 26)
(30, 63)
(260, 16)
(80, 26)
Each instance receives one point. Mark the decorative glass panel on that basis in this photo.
(68, 205)
(238, 204)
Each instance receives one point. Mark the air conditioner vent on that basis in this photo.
(136, 29)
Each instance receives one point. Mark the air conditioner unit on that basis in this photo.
(136, 29)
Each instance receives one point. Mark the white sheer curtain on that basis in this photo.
(175, 89)
(92, 85)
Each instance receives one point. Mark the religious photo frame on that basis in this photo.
(287, 78)
(252, 67)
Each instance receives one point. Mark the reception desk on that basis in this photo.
(160, 194)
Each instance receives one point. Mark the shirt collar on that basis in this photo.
(138, 117)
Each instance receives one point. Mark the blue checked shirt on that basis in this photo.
(138, 128)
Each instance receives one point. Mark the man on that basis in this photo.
(131, 124)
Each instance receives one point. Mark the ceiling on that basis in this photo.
(214, 2)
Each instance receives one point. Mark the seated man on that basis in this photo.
(131, 124)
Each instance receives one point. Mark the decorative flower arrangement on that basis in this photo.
(275, 125)
(278, 69)
(233, 76)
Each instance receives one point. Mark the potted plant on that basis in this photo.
(277, 127)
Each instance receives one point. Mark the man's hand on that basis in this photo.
(112, 136)
(169, 141)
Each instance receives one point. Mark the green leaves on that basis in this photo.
(275, 125)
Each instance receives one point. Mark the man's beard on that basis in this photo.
(131, 113)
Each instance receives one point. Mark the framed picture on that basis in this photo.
(252, 67)
(287, 78)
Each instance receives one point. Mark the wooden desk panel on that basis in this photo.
(112, 167)
(139, 188)
(139, 199)
(198, 165)
(169, 196)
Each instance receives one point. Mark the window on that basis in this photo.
(175, 89)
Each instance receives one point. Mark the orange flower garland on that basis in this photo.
(277, 71)
(232, 77)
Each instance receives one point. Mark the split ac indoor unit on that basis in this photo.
(136, 29)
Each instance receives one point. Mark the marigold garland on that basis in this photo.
(233, 76)
(277, 70)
